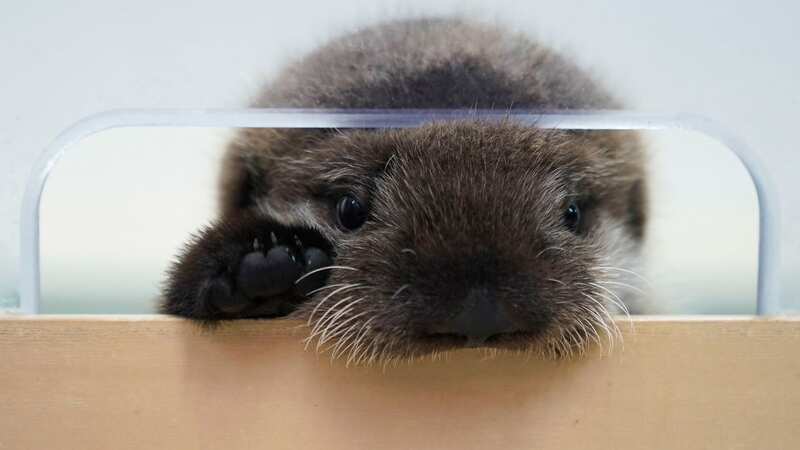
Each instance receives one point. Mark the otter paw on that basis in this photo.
(282, 269)
(251, 267)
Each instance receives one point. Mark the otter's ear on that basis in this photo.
(238, 184)
(637, 208)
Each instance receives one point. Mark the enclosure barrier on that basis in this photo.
(155, 382)
(151, 382)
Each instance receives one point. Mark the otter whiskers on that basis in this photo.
(614, 299)
(399, 290)
(345, 331)
(326, 317)
(321, 269)
(623, 270)
(327, 329)
(322, 302)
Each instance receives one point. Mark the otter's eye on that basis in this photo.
(572, 217)
(350, 212)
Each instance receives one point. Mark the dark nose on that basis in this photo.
(481, 318)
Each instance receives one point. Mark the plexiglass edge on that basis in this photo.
(769, 300)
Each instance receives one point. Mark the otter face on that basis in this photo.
(458, 234)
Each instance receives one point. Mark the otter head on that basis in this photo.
(456, 234)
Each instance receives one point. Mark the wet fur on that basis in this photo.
(454, 207)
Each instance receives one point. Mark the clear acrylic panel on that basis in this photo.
(121, 202)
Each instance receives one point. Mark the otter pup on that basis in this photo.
(399, 243)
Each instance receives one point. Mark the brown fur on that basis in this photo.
(454, 208)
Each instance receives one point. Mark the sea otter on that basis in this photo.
(400, 243)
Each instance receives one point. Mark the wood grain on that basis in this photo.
(151, 382)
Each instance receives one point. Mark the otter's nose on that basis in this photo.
(481, 318)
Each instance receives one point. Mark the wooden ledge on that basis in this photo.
(100, 382)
